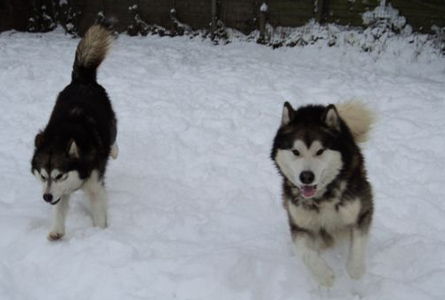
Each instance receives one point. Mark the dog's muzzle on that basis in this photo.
(54, 203)
(49, 199)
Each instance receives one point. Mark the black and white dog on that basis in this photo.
(72, 152)
(325, 189)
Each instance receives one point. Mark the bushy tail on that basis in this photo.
(90, 53)
(358, 117)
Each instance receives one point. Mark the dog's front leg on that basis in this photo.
(95, 189)
(60, 211)
(99, 207)
(308, 252)
(98, 197)
(357, 253)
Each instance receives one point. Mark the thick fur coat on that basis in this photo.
(325, 188)
(73, 150)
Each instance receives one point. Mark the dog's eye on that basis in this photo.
(296, 152)
(319, 152)
(58, 177)
(43, 177)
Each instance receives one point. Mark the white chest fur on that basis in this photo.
(327, 216)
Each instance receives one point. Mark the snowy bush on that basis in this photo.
(386, 30)
(60, 12)
(221, 34)
(438, 39)
(179, 28)
(140, 27)
(382, 23)
(374, 39)
(68, 17)
(42, 20)
(384, 16)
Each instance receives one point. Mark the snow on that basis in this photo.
(383, 12)
(264, 7)
(194, 200)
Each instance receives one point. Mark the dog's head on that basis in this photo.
(55, 164)
(308, 147)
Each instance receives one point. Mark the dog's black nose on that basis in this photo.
(48, 197)
(307, 177)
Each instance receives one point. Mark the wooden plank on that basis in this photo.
(15, 14)
(343, 7)
(432, 5)
(118, 9)
(421, 13)
(195, 13)
(417, 13)
(6, 22)
(319, 10)
(89, 11)
(288, 13)
(240, 15)
(156, 12)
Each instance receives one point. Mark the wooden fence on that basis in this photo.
(243, 15)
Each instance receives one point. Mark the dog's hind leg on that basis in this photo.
(113, 133)
(357, 252)
(60, 211)
(99, 207)
(114, 151)
(95, 189)
(319, 269)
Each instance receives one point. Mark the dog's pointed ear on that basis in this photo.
(73, 150)
(331, 117)
(288, 114)
(39, 140)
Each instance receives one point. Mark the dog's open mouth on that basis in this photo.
(55, 202)
(308, 191)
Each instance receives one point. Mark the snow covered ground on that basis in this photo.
(195, 209)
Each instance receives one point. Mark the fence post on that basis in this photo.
(263, 11)
(321, 10)
(214, 18)
(173, 25)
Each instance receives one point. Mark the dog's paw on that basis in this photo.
(322, 273)
(55, 236)
(355, 270)
(100, 221)
(325, 278)
(102, 224)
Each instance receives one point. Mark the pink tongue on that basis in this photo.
(309, 191)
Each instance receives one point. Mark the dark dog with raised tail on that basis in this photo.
(72, 151)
